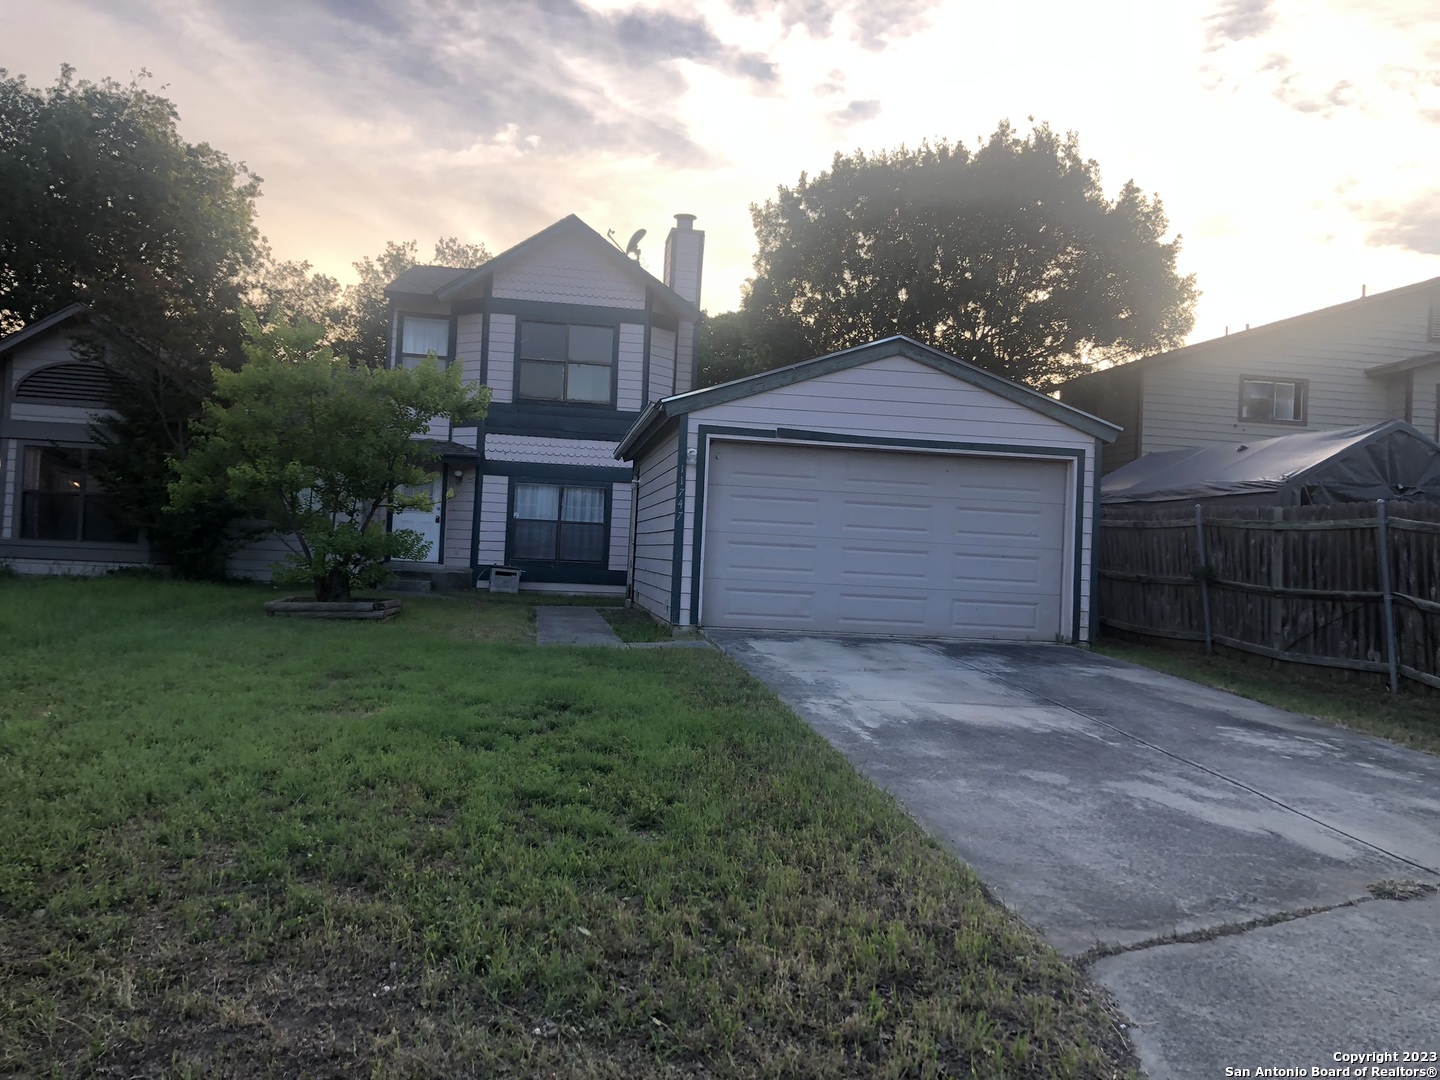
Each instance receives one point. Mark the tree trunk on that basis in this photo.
(333, 587)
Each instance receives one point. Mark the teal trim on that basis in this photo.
(597, 474)
(1076, 569)
(677, 562)
(545, 311)
(485, 338)
(475, 528)
(562, 420)
(661, 321)
(1095, 546)
(439, 553)
(644, 355)
(926, 444)
(705, 431)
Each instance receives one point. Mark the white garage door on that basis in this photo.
(865, 541)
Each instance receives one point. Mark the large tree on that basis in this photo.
(1010, 255)
(322, 448)
(102, 201)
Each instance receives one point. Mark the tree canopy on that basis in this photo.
(356, 317)
(321, 448)
(1010, 256)
(102, 201)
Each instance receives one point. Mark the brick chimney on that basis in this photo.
(684, 252)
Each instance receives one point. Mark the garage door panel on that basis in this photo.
(883, 612)
(768, 510)
(883, 542)
(878, 517)
(768, 559)
(911, 568)
(985, 618)
(998, 569)
(770, 607)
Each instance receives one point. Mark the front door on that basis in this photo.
(424, 522)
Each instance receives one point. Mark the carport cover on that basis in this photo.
(1389, 460)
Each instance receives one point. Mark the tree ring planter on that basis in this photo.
(297, 607)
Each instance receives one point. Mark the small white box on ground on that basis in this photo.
(505, 579)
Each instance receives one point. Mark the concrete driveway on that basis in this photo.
(1217, 855)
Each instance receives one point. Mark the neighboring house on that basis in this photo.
(53, 518)
(885, 489)
(574, 339)
(1353, 364)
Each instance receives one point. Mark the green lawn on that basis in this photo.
(1410, 717)
(243, 846)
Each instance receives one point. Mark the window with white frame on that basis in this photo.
(559, 523)
(1273, 400)
(59, 500)
(420, 336)
(559, 362)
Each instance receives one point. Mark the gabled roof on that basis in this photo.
(452, 286)
(424, 280)
(1185, 351)
(660, 412)
(1283, 462)
(39, 326)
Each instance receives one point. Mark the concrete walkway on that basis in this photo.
(561, 624)
(1224, 868)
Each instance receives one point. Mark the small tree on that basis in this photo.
(321, 450)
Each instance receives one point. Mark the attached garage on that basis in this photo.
(887, 489)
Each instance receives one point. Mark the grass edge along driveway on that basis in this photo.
(416, 848)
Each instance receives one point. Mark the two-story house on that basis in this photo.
(574, 338)
(1357, 363)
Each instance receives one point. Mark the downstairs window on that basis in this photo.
(559, 523)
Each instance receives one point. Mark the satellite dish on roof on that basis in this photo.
(633, 247)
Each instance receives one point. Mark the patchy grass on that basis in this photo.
(244, 846)
(1411, 717)
(635, 624)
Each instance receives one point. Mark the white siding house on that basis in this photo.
(884, 489)
(574, 339)
(1354, 364)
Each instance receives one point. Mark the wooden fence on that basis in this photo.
(1354, 586)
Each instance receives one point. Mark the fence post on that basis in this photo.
(1204, 575)
(1277, 582)
(1382, 543)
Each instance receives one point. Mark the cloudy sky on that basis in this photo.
(1295, 143)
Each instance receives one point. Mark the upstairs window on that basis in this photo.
(558, 523)
(566, 363)
(1274, 401)
(59, 501)
(420, 336)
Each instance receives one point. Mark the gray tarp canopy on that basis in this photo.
(1389, 460)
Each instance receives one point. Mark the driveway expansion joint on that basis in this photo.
(1103, 950)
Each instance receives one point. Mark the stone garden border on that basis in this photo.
(299, 607)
